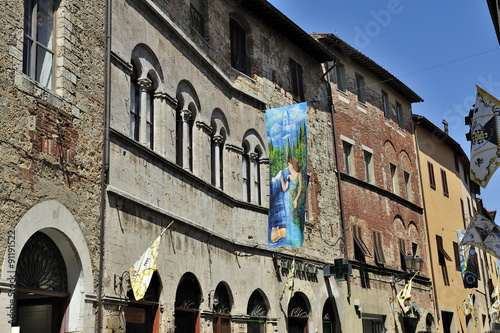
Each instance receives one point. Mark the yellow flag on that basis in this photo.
(467, 305)
(289, 284)
(142, 271)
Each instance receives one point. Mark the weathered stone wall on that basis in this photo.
(51, 140)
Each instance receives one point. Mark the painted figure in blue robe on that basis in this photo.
(287, 220)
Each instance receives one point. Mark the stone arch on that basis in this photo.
(219, 123)
(188, 98)
(405, 161)
(258, 304)
(252, 142)
(390, 152)
(224, 297)
(55, 221)
(147, 64)
(399, 227)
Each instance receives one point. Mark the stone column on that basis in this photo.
(144, 85)
(186, 133)
(218, 140)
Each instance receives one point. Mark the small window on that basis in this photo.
(385, 105)
(340, 76)
(347, 157)
(38, 48)
(463, 213)
(377, 247)
(297, 81)
(197, 18)
(368, 166)
(402, 253)
(393, 177)
(135, 106)
(442, 255)
(360, 88)
(246, 175)
(360, 249)
(256, 179)
(407, 185)
(468, 207)
(239, 58)
(456, 250)
(445, 183)
(432, 180)
(399, 113)
(457, 165)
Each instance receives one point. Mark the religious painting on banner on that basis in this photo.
(287, 140)
(468, 262)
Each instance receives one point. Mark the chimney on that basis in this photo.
(445, 123)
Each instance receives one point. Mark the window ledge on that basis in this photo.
(241, 74)
(33, 88)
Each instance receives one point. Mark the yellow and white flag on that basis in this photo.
(289, 284)
(495, 307)
(142, 271)
(467, 305)
(404, 296)
(495, 292)
(484, 137)
(484, 234)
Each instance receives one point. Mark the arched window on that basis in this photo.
(150, 92)
(245, 163)
(39, 46)
(143, 315)
(187, 304)
(41, 286)
(329, 316)
(298, 314)
(184, 138)
(256, 176)
(257, 313)
(217, 151)
(222, 310)
(135, 105)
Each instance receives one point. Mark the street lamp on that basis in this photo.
(413, 263)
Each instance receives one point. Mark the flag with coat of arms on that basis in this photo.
(484, 137)
(467, 306)
(404, 296)
(484, 234)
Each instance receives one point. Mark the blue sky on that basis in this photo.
(440, 50)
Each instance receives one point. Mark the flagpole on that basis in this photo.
(166, 228)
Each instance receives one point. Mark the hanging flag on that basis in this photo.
(287, 142)
(495, 307)
(404, 296)
(484, 137)
(142, 271)
(289, 284)
(467, 306)
(495, 292)
(468, 262)
(484, 234)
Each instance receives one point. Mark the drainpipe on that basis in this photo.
(105, 156)
(339, 180)
(426, 223)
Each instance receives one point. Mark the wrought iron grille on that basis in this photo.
(41, 265)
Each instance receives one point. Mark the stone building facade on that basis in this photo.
(51, 102)
(380, 196)
(202, 75)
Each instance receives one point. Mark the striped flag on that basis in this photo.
(289, 284)
(142, 271)
(484, 137)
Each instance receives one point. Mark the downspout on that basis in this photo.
(426, 223)
(105, 156)
(337, 172)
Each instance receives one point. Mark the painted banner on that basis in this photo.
(484, 136)
(468, 262)
(287, 141)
